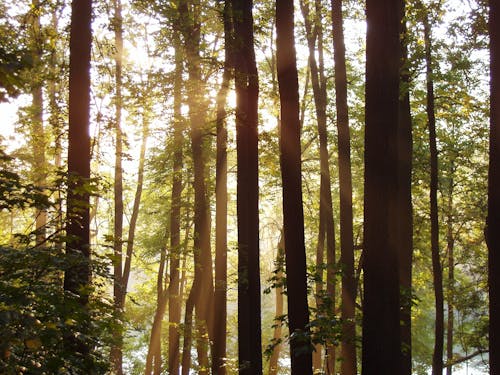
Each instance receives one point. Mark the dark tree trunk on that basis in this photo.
(116, 349)
(493, 219)
(404, 204)
(220, 291)
(437, 272)
(77, 275)
(247, 91)
(381, 329)
(293, 215)
(348, 348)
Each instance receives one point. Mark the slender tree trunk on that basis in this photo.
(279, 291)
(220, 293)
(116, 355)
(314, 33)
(348, 347)
(77, 276)
(174, 304)
(450, 242)
(202, 289)
(381, 307)
(247, 91)
(437, 358)
(493, 219)
(293, 215)
(405, 210)
(37, 127)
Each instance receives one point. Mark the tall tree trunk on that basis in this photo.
(293, 215)
(247, 91)
(314, 34)
(404, 204)
(37, 127)
(437, 358)
(77, 275)
(493, 219)
(450, 244)
(348, 347)
(116, 355)
(381, 308)
(174, 304)
(220, 291)
(279, 291)
(202, 289)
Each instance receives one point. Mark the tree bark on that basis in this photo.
(116, 355)
(348, 345)
(493, 219)
(247, 91)
(437, 358)
(220, 293)
(203, 289)
(174, 303)
(405, 210)
(77, 275)
(381, 307)
(293, 215)
(450, 242)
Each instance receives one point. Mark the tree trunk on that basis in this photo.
(174, 303)
(203, 288)
(116, 355)
(493, 219)
(37, 127)
(450, 242)
(314, 34)
(348, 347)
(437, 358)
(247, 90)
(293, 215)
(381, 308)
(404, 204)
(77, 275)
(273, 360)
(220, 293)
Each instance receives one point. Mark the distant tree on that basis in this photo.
(493, 219)
(381, 307)
(293, 214)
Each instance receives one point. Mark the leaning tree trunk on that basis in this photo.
(437, 358)
(293, 215)
(381, 307)
(493, 219)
